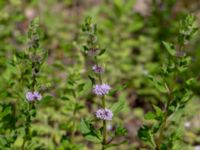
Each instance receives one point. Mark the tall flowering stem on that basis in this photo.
(104, 121)
(92, 51)
(35, 59)
(101, 90)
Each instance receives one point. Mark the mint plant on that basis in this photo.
(35, 56)
(24, 94)
(76, 99)
(104, 114)
(29, 65)
(174, 86)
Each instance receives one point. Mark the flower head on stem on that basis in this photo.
(101, 89)
(32, 96)
(104, 114)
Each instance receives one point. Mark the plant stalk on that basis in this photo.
(104, 127)
(163, 125)
(74, 119)
(104, 121)
(73, 125)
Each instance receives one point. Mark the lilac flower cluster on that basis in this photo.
(104, 114)
(97, 69)
(101, 89)
(32, 96)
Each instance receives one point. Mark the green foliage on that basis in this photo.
(169, 47)
(89, 132)
(93, 51)
(146, 135)
(133, 41)
(176, 94)
(118, 107)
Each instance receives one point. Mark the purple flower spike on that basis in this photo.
(32, 96)
(97, 69)
(101, 89)
(104, 114)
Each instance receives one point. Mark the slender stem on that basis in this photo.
(104, 126)
(163, 125)
(33, 77)
(104, 121)
(74, 119)
(23, 144)
(34, 63)
(73, 124)
(30, 106)
(27, 127)
(104, 141)
(115, 144)
(166, 116)
(160, 136)
(104, 135)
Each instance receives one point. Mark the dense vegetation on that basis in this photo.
(91, 74)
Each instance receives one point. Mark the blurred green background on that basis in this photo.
(132, 31)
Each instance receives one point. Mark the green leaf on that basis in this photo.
(190, 81)
(144, 133)
(93, 138)
(66, 98)
(102, 52)
(86, 24)
(85, 126)
(117, 107)
(158, 110)
(85, 48)
(6, 111)
(170, 48)
(118, 88)
(88, 20)
(159, 86)
(182, 68)
(120, 131)
(47, 98)
(79, 106)
(150, 116)
(91, 79)
(3, 141)
(163, 147)
(136, 26)
(80, 87)
(89, 132)
(186, 97)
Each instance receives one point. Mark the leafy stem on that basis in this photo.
(34, 58)
(164, 122)
(74, 118)
(27, 125)
(115, 144)
(104, 126)
(104, 121)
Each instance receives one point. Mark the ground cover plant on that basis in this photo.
(99, 75)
